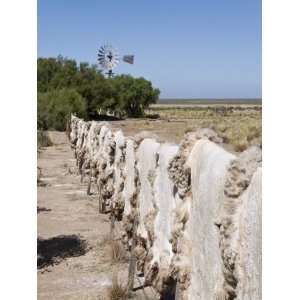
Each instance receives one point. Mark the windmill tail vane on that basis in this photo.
(128, 59)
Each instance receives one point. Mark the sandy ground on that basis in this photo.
(74, 258)
(66, 212)
(74, 262)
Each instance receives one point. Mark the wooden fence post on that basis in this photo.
(177, 291)
(112, 224)
(81, 175)
(100, 204)
(99, 195)
(132, 263)
(88, 190)
(101, 200)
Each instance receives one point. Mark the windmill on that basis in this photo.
(108, 58)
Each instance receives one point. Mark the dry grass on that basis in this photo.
(238, 125)
(115, 248)
(116, 291)
(117, 252)
(105, 241)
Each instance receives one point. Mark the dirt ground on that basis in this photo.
(73, 260)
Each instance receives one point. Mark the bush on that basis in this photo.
(117, 252)
(43, 139)
(116, 291)
(56, 106)
(121, 96)
(133, 95)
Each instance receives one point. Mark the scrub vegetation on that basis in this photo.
(66, 87)
(239, 126)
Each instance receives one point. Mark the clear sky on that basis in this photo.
(187, 48)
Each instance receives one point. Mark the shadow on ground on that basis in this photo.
(54, 250)
(42, 209)
(42, 183)
(97, 117)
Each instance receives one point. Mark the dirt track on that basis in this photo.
(72, 264)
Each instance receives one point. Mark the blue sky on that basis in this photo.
(192, 49)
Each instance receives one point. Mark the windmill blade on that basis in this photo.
(108, 57)
(128, 59)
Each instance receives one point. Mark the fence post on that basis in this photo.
(101, 200)
(112, 223)
(132, 263)
(81, 175)
(99, 195)
(177, 291)
(101, 205)
(88, 190)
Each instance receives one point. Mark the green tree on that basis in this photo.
(93, 87)
(88, 81)
(47, 68)
(56, 106)
(133, 95)
(122, 95)
(65, 77)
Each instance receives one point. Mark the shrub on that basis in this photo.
(117, 252)
(121, 96)
(116, 291)
(56, 106)
(43, 139)
(240, 145)
(133, 95)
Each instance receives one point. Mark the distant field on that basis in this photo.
(238, 124)
(248, 101)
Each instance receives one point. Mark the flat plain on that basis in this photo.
(238, 124)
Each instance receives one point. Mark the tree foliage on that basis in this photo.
(56, 106)
(64, 79)
(133, 95)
